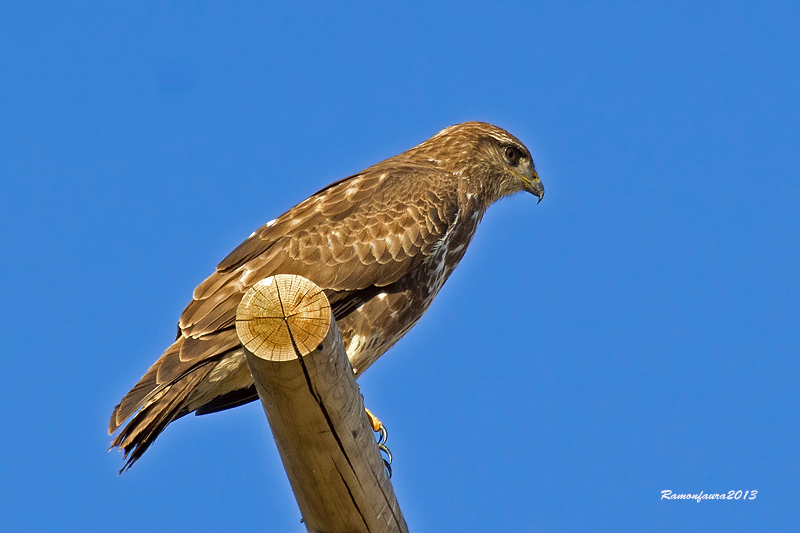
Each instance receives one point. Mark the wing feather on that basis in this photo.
(362, 231)
(199, 348)
(351, 238)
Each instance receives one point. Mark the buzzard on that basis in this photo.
(381, 243)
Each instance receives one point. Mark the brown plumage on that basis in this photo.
(381, 243)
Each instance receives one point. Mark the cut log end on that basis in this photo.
(283, 317)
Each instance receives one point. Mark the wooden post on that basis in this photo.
(315, 409)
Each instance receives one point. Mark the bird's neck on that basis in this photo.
(475, 195)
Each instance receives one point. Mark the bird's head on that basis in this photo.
(490, 158)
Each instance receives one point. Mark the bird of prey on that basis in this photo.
(381, 243)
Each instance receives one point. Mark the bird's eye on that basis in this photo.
(512, 155)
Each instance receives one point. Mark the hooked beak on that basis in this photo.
(533, 185)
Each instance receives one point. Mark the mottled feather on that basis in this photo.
(380, 243)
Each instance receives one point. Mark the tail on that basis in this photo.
(160, 397)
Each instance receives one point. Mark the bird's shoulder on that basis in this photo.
(385, 201)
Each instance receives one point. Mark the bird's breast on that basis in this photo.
(381, 321)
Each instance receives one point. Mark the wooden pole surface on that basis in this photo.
(314, 407)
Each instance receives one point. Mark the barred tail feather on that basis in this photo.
(168, 403)
(145, 388)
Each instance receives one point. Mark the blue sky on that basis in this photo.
(635, 332)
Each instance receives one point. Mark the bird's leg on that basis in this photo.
(378, 427)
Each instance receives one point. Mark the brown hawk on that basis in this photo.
(381, 243)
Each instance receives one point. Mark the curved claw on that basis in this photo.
(383, 436)
(388, 453)
(387, 461)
